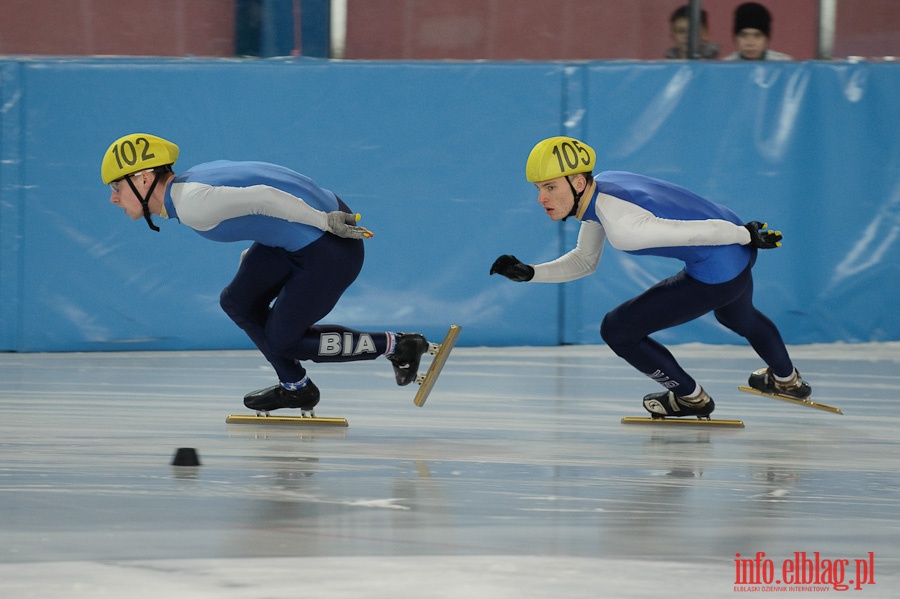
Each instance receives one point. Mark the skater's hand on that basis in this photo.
(511, 268)
(762, 238)
(343, 224)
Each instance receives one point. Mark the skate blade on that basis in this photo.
(800, 402)
(441, 353)
(683, 421)
(291, 420)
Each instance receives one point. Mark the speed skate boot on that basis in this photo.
(763, 380)
(277, 397)
(666, 403)
(406, 357)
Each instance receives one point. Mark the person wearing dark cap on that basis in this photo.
(752, 31)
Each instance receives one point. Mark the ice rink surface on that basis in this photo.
(515, 480)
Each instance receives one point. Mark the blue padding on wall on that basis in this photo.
(432, 155)
(811, 148)
(11, 204)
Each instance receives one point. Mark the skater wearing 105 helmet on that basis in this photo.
(646, 216)
(307, 250)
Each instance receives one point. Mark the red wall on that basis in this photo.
(563, 29)
(584, 29)
(117, 27)
(437, 29)
(868, 28)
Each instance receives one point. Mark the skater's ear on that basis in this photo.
(579, 182)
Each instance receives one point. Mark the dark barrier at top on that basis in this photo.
(433, 155)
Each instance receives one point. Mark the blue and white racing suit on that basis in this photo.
(292, 262)
(646, 216)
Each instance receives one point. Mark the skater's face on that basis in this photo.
(123, 196)
(556, 198)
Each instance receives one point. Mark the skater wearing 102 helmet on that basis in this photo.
(306, 252)
(646, 216)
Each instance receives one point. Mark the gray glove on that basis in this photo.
(343, 224)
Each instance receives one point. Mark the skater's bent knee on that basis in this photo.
(614, 334)
(238, 311)
(227, 303)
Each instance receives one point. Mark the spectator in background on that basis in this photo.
(679, 29)
(752, 30)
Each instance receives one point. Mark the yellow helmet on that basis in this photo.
(136, 152)
(559, 157)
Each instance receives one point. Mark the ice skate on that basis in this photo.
(796, 391)
(667, 408)
(440, 351)
(764, 381)
(407, 355)
(277, 397)
(667, 404)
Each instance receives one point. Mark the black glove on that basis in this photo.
(762, 238)
(511, 268)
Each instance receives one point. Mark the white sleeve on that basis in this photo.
(630, 227)
(202, 207)
(579, 262)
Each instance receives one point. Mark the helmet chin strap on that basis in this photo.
(145, 200)
(576, 194)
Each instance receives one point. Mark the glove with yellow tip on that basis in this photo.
(343, 224)
(762, 238)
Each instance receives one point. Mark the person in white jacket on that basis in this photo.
(646, 216)
(752, 33)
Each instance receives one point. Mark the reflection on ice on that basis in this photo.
(516, 479)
